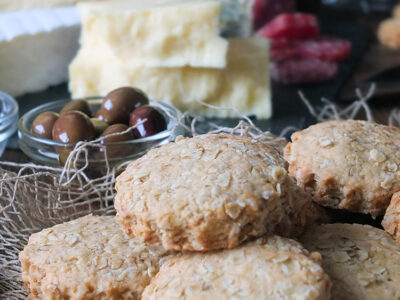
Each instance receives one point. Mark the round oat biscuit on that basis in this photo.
(396, 11)
(391, 221)
(389, 33)
(270, 268)
(209, 192)
(362, 261)
(352, 165)
(88, 258)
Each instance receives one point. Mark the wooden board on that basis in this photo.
(289, 110)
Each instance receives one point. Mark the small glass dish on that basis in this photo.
(8, 119)
(52, 153)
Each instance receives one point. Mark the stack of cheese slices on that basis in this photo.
(173, 51)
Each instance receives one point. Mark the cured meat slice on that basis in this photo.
(298, 25)
(303, 70)
(324, 48)
(265, 10)
(283, 48)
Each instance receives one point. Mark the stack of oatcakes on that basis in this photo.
(214, 217)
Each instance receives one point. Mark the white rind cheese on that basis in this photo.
(156, 33)
(36, 47)
(243, 85)
(11, 5)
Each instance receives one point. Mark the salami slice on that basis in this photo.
(302, 70)
(283, 48)
(324, 48)
(291, 26)
(265, 10)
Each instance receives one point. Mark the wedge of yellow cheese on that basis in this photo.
(156, 33)
(243, 85)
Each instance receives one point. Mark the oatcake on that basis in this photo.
(389, 32)
(270, 268)
(391, 221)
(88, 258)
(362, 261)
(352, 165)
(209, 192)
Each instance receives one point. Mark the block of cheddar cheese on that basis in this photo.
(243, 84)
(156, 33)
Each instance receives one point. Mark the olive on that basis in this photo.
(155, 121)
(63, 156)
(117, 150)
(117, 138)
(119, 103)
(72, 127)
(43, 124)
(78, 105)
(99, 125)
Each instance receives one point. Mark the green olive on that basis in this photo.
(63, 156)
(99, 125)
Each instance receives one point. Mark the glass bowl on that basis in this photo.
(52, 153)
(8, 119)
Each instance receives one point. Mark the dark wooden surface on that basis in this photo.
(376, 58)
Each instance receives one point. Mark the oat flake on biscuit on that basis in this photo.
(352, 165)
(391, 221)
(209, 192)
(88, 258)
(362, 261)
(270, 268)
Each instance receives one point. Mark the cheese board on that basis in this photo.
(288, 108)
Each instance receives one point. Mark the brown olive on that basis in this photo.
(99, 125)
(43, 124)
(117, 138)
(72, 127)
(78, 105)
(116, 150)
(155, 121)
(119, 103)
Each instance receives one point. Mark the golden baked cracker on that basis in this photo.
(270, 268)
(389, 33)
(391, 221)
(362, 261)
(396, 11)
(209, 192)
(88, 258)
(352, 165)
